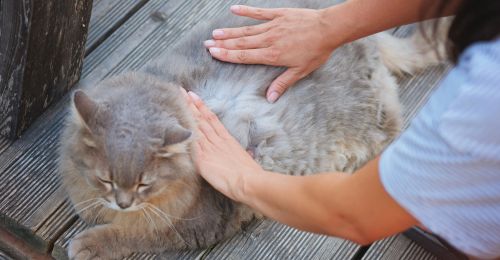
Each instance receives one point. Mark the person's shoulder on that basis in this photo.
(481, 59)
(471, 123)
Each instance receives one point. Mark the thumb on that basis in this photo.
(282, 83)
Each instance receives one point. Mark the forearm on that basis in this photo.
(354, 207)
(355, 19)
(299, 202)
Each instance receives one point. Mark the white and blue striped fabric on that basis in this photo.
(445, 168)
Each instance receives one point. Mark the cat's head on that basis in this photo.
(132, 152)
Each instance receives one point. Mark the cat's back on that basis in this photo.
(337, 110)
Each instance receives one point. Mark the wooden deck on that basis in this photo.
(124, 35)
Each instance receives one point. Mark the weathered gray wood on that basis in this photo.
(4, 256)
(14, 28)
(107, 16)
(43, 45)
(4, 144)
(415, 90)
(271, 240)
(397, 248)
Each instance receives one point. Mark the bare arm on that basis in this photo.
(360, 18)
(303, 39)
(355, 207)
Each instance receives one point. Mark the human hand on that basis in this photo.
(292, 37)
(220, 159)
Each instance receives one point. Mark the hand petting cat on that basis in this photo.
(220, 159)
(291, 37)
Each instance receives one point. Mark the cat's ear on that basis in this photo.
(85, 106)
(174, 141)
(175, 135)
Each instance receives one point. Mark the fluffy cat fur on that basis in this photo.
(125, 154)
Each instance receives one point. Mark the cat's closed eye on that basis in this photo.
(107, 183)
(141, 187)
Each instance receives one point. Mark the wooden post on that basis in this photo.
(42, 45)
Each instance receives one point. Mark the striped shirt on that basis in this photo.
(445, 168)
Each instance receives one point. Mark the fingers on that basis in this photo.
(241, 43)
(251, 56)
(208, 123)
(230, 33)
(282, 83)
(255, 12)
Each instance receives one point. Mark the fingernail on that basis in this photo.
(193, 95)
(217, 32)
(272, 97)
(214, 50)
(235, 8)
(209, 43)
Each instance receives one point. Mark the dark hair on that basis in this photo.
(475, 20)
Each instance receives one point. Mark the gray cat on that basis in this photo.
(126, 159)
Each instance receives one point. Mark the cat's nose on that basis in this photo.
(124, 199)
(124, 204)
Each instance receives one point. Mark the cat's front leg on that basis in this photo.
(100, 242)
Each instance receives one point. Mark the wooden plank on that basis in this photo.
(107, 16)
(397, 248)
(14, 246)
(14, 26)
(4, 256)
(415, 90)
(4, 144)
(44, 45)
(271, 240)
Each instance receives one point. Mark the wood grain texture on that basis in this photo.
(397, 248)
(46, 41)
(271, 240)
(4, 143)
(14, 27)
(55, 54)
(107, 16)
(4, 256)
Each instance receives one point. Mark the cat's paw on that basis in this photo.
(89, 245)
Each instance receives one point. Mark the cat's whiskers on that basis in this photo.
(160, 214)
(99, 212)
(85, 201)
(150, 220)
(98, 202)
(170, 216)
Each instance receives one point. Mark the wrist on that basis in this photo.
(334, 27)
(341, 24)
(248, 187)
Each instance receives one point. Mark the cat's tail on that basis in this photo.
(425, 47)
